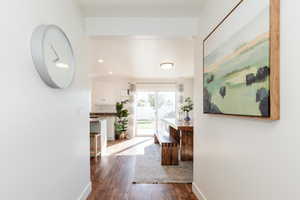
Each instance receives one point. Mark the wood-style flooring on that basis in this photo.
(112, 179)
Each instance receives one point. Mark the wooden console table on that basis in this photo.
(169, 149)
(183, 133)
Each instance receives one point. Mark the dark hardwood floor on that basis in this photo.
(112, 180)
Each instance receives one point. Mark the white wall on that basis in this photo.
(188, 84)
(114, 26)
(188, 87)
(44, 142)
(108, 91)
(136, 8)
(244, 159)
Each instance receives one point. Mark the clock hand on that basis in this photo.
(56, 54)
(58, 64)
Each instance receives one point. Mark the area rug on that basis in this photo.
(148, 169)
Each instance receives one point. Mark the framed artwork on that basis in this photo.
(241, 61)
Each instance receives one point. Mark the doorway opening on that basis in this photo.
(151, 107)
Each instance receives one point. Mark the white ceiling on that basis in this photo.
(140, 57)
(141, 8)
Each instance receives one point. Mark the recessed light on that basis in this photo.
(167, 66)
(110, 73)
(100, 61)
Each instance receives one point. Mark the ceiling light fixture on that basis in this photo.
(110, 73)
(100, 61)
(167, 66)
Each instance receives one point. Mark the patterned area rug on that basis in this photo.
(148, 169)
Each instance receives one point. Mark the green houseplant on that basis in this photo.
(187, 107)
(121, 124)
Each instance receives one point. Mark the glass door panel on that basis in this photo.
(146, 113)
(151, 108)
(166, 107)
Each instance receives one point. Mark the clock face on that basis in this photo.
(53, 56)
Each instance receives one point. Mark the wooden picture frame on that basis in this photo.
(274, 61)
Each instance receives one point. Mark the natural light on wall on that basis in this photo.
(62, 65)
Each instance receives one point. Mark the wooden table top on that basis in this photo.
(178, 124)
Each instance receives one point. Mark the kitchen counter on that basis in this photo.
(99, 115)
(110, 118)
(98, 136)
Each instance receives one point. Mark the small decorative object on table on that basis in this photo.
(121, 124)
(187, 107)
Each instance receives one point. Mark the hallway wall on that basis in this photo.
(247, 159)
(44, 141)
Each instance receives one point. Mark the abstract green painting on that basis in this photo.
(236, 62)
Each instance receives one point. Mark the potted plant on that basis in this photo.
(121, 124)
(187, 107)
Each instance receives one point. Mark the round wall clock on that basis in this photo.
(53, 56)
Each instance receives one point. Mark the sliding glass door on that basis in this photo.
(151, 107)
(166, 107)
(145, 118)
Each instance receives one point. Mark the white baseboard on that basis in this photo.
(86, 191)
(198, 192)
